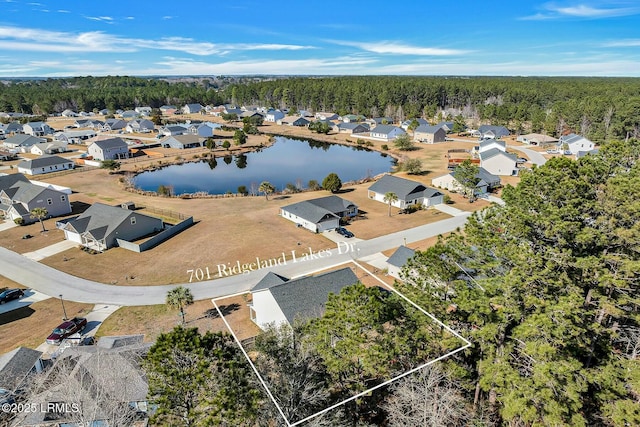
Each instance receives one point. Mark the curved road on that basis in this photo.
(535, 157)
(53, 282)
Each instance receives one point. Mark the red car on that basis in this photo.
(66, 329)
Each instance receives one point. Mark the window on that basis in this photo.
(133, 220)
(49, 201)
(63, 198)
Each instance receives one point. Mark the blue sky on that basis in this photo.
(421, 37)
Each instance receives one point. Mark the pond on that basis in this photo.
(287, 161)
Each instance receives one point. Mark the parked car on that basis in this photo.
(11, 294)
(344, 232)
(522, 160)
(66, 329)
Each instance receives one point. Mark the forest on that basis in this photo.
(598, 108)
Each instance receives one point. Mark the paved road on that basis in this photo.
(53, 282)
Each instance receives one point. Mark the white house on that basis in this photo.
(320, 214)
(44, 164)
(192, 108)
(575, 143)
(429, 134)
(408, 192)
(498, 162)
(37, 129)
(277, 300)
(397, 261)
(489, 144)
(49, 148)
(493, 132)
(486, 182)
(536, 139)
(109, 149)
(22, 142)
(386, 132)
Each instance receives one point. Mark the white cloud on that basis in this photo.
(105, 19)
(623, 43)
(584, 11)
(388, 47)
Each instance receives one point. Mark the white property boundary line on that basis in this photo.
(431, 316)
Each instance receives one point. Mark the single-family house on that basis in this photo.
(581, 154)
(405, 125)
(320, 214)
(13, 127)
(109, 149)
(294, 121)
(9, 179)
(144, 111)
(398, 260)
(111, 125)
(45, 164)
(386, 132)
(429, 134)
(49, 148)
(233, 110)
(352, 118)
(408, 192)
(22, 142)
(485, 182)
(173, 130)
(273, 116)
(536, 139)
(168, 109)
(69, 113)
(22, 197)
(323, 115)
(140, 126)
(103, 112)
(191, 108)
(447, 126)
(251, 115)
(203, 130)
(351, 128)
(16, 365)
(575, 143)
(498, 162)
(37, 129)
(277, 300)
(99, 385)
(488, 144)
(182, 141)
(377, 121)
(101, 225)
(74, 136)
(495, 132)
(129, 115)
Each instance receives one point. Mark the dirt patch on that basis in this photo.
(30, 326)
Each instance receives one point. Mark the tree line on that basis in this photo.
(598, 108)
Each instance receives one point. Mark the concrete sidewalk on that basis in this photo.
(50, 250)
(30, 296)
(5, 225)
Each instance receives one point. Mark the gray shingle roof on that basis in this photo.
(24, 191)
(486, 155)
(316, 210)
(428, 129)
(498, 131)
(23, 140)
(105, 144)
(271, 279)
(306, 296)
(385, 129)
(9, 180)
(120, 341)
(400, 257)
(99, 220)
(15, 365)
(44, 161)
(405, 189)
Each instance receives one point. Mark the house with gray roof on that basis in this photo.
(37, 129)
(574, 143)
(429, 134)
(488, 144)
(101, 225)
(16, 365)
(192, 108)
(109, 149)
(129, 114)
(320, 214)
(498, 162)
(173, 130)
(168, 109)
(386, 132)
(273, 116)
(536, 139)
(493, 132)
(19, 199)
(485, 182)
(45, 164)
(294, 121)
(351, 128)
(107, 385)
(447, 126)
(113, 124)
(140, 126)
(409, 192)
(7, 180)
(377, 121)
(277, 300)
(54, 147)
(397, 261)
(203, 130)
(22, 142)
(74, 136)
(12, 127)
(405, 125)
(182, 141)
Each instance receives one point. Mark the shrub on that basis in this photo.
(19, 221)
(385, 147)
(447, 199)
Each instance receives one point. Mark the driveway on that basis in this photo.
(30, 296)
(50, 281)
(450, 210)
(5, 225)
(535, 157)
(50, 250)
